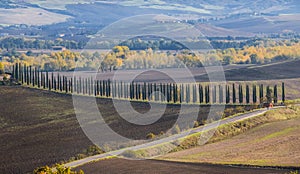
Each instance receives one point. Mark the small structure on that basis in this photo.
(58, 48)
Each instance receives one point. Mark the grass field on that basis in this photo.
(274, 142)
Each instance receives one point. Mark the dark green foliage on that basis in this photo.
(227, 94)
(283, 92)
(233, 94)
(254, 95)
(194, 94)
(201, 93)
(187, 94)
(221, 96)
(207, 94)
(241, 96)
(247, 94)
(184, 93)
(275, 94)
(261, 93)
(215, 94)
(269, 95)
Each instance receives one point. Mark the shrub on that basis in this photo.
(196, 124)
(240, 109)
(59, 169)
(177, 129)
(130, 154)
(150, 135)
(2, 70)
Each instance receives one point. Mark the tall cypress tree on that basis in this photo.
(275, 94)
(247, 94)
(194, 94)
(188, 94)
(233, 94)
(227, 94)
(201, 93)
(207, 94)
(283, 92)
(241, 96)
(269, 95)
(47, 79)
(254, 95)
(215, 94)
(221, 96)
(181, 93)
(261, 93)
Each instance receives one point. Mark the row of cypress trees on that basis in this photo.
(168, 92)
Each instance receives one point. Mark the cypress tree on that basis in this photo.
(283, 92)
(101, 88)
(174, 93)
(194, 94)
(247, 94)
(47, 79)
(44, 81)
(79, 86)
(254, 95)
(201, 93)
(207, 94)
(20, 74)
(33, 76)
(60, 84)
(30, 75)
(241, 96)
(227, 95)
(181, 93)
(188, 94)
(261, 93)
(275, 94)
(49, 88)
(89, 86)
(15, 71)
(269, 95)
(221, 96)
(24, 74)
(154, 90)
(55, 85)
(233, 94)
(215, 94)
(38, 78)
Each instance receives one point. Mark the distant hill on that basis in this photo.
(85, 17)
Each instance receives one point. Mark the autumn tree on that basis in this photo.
(2, 70)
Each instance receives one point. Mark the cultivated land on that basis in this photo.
(26, 16)
(39, 128)
(123, 166)
(251, 142)
(275, 143)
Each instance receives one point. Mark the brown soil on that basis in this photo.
(122, 166)
(272, 144)
(40, 128)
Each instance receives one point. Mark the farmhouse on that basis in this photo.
(58, 48)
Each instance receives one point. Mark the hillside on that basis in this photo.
(254, 147)
(94, 14)
(272, 71)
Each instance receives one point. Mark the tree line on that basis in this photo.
(170, 92)
(121, 57)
